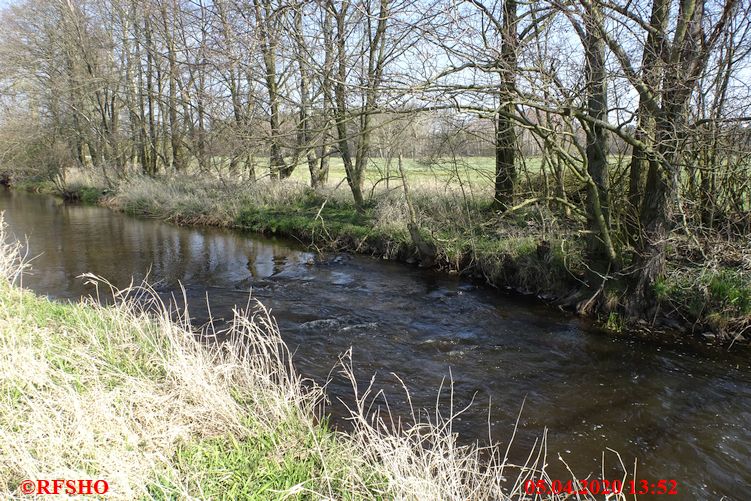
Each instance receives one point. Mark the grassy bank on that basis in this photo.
(531, 250)
(126, 393)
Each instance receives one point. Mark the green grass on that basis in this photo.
(127, 394)
(700, 292)
(36, 185)
(266, 466)
(77, 190)
(731, 289)
(480, 170)
(88, 194)
(307, 221)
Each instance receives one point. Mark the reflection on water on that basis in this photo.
(67, 240)
(685, 415)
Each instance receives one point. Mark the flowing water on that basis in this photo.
(683, 412)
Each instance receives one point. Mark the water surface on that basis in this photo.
(683, 412)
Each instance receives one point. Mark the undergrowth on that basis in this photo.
(719, 295)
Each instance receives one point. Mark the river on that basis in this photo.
(683, 412)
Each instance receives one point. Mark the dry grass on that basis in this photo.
(89, 178)
(185, 200)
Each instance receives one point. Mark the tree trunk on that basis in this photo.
(505, 134)
(426, 250)
(685, 63)
(652, 55)
(265, 19)
(599, 244)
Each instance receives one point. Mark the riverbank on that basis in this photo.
(126, 394)
(706, 295)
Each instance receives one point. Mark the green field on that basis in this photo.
(479, 171)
